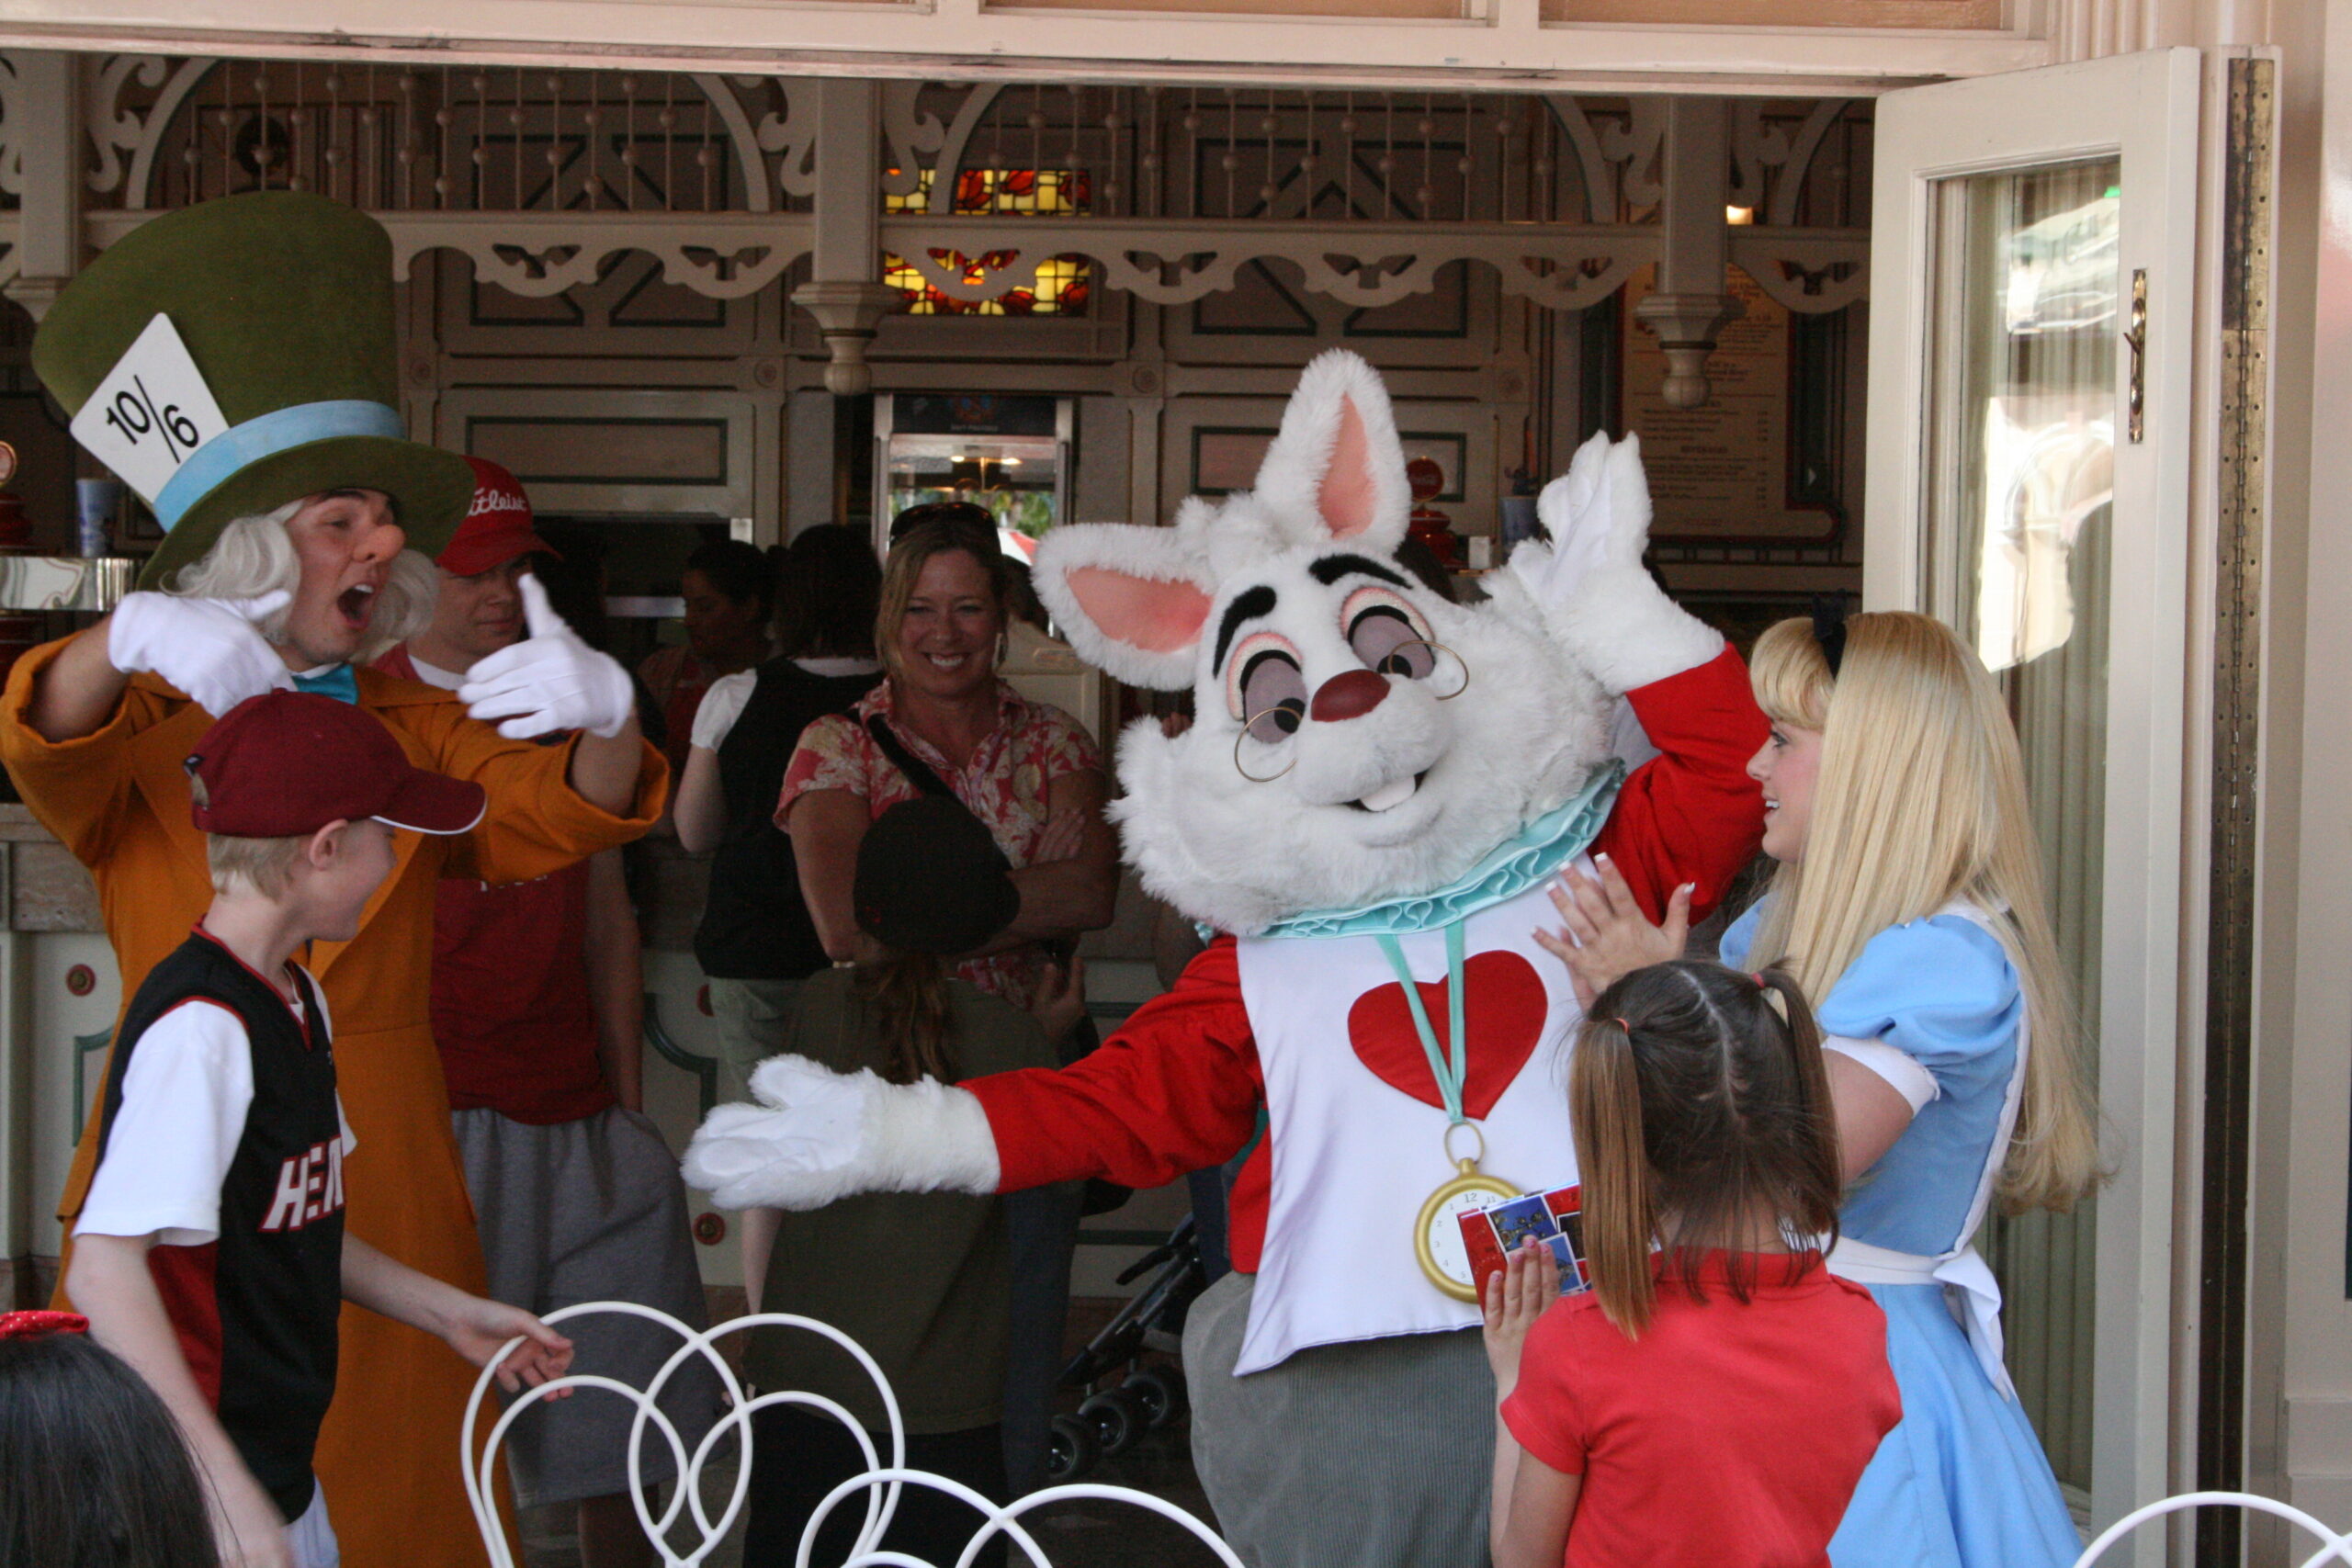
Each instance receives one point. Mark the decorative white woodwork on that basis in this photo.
(1559, 266)
(542, 179)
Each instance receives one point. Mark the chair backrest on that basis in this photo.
(2334, 1547)
(881, 1483)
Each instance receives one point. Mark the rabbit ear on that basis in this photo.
(1337, 471)
(1131, 600)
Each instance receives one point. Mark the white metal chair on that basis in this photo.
(2335, 1548)
(881, 1482)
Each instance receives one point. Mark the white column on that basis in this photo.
(1691, 303)
(45, 128)
(845, 291)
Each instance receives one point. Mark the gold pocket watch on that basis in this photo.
(1437, 1233)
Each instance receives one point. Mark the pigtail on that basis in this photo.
(908, 992)
(1810, 1207)
(1620, 1203)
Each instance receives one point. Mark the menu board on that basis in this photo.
(1721, 472)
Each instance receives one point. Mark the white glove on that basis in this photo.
(550, 680)
(1609, 612)
(818, 1136)
(210, 649)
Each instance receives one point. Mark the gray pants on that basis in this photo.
(1377, 1454)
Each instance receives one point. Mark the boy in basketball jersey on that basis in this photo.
(211, 1253)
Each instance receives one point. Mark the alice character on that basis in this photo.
(1909, 901)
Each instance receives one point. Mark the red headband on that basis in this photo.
(38, 1325)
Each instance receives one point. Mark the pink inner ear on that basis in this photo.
(1349, 499)
(1158, 618)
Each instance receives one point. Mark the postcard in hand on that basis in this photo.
(1554, 1218)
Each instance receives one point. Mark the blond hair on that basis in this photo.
(260, 865)
(1920, 802)
(254, 556)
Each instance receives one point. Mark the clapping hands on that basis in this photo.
(1607, 936)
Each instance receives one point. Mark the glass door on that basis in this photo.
(2031, 277)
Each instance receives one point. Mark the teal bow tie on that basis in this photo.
(338, 683)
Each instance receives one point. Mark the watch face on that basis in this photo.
(1438, 1245)
(1445, 1249)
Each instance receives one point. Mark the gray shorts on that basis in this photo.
(590, 1210)
(752, 1016)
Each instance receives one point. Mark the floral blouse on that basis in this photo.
(1006, 785)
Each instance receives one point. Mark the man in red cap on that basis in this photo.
(538, 1012)
(211, 1252)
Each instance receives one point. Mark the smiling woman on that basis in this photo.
(943, 724)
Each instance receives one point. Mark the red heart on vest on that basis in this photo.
(1504, 1007)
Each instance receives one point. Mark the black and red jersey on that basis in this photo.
(255, 1309)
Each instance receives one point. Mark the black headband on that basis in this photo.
(1829, 629)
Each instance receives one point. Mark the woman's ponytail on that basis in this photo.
(1619, 1207)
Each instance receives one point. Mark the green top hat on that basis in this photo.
(283, 301)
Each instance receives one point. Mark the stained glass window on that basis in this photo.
(1063, 282)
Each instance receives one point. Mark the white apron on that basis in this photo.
(1971, 1289)
(1354, 1157)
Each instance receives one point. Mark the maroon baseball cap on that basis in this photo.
(286, 763)
(497, 528)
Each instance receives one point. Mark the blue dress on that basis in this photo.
(1961, 1482)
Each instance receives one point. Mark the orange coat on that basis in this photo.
(118, 800)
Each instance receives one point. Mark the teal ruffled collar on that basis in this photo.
(1542, 848)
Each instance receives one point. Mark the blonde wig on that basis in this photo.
(254, 556)
(1921, 801)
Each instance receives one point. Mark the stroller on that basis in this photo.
(1113, 1420)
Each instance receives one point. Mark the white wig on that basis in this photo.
(254, 556)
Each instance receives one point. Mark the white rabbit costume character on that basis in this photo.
(1376, 789)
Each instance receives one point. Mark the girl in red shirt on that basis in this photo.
(1714, 1397)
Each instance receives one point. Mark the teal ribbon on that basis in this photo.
(242, 446)
(1541, 849)
(338, 683)
(1450, 1074)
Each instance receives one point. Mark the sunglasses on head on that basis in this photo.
(970, 526)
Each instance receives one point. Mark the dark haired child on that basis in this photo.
(1715, 1396)
(921, 1279)
(211, 1253)
(93, 1473)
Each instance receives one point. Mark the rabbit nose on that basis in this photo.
(1350, 695)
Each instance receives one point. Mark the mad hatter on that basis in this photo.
(235, 363)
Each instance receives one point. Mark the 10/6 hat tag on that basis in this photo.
(153, 412)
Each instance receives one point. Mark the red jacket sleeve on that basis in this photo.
(1174, 1090)
(1690, 813)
